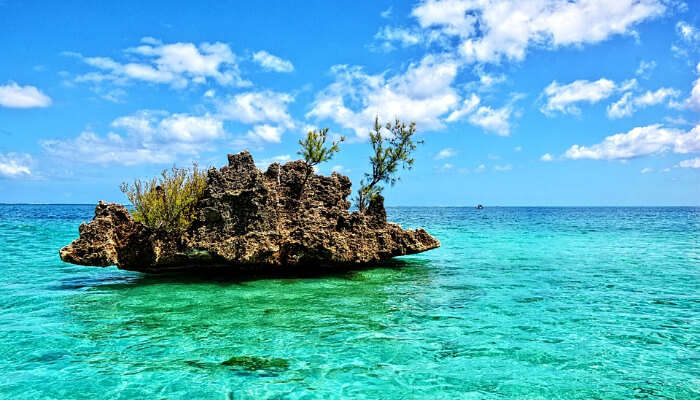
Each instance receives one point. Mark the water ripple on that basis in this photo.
(571, 303)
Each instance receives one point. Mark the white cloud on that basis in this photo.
(268, 133)
(487, 81)
(690, 40)
(546, 157)
(692, 163)
(646, 170)
(517, 148)
(177, 64)
(694, 100)
(450, 16)
(141, 122)
(679, 51)
(628, 103)
(640, 141)
(480, 168)
(266, 109)
(423, 93)
(563, 98)
(650, 98)
(447, 166)
(115, 95)
(645, 69)
(446, 153)
(190, 129)
(14, 165)
(13, 95)
(404, 36)
(468, 106)
(256, 107)
(386, 13)
(494, 120)
(629, 84)
(677, 121)
(91, 148)
(688, 32)
(490, 31)
(149, 137)
(173, 128)
(151, 40)
(488, 118)
(272, 63)
(503, 168)
(340, 169)
(264, 163)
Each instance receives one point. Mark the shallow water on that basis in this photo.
(571, 303)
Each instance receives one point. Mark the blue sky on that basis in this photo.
(543, 102)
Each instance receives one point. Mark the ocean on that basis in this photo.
(531, 303)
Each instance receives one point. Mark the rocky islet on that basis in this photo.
(280, 220)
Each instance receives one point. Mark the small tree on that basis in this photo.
(390, 152)
(167, 202)
(315, 151)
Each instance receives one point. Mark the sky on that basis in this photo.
(519, 103)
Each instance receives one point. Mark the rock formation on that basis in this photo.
(249, 220)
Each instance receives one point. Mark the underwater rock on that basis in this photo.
(254, 363)
(254, 221)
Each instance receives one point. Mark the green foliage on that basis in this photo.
(167, 202)
(391, 151)
(314, 149)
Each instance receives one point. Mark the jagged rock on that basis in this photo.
(248, 220)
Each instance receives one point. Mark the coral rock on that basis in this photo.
(249, 220)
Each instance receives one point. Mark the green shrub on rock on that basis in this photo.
(392, 149)
(315, 151)
(167, 202)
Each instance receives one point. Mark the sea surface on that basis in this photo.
(524, 303)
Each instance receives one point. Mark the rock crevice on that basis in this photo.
(277, 220)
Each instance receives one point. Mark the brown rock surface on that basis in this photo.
(248, 220)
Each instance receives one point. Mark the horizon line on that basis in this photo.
(408, 206)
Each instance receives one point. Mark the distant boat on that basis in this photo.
(479, 207)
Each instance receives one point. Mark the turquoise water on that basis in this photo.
(536, 303)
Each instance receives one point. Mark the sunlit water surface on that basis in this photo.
(570, 303)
